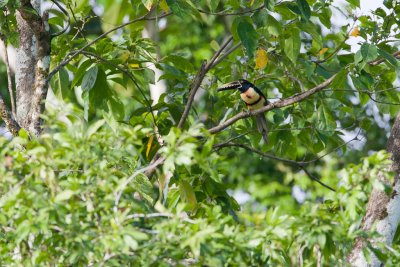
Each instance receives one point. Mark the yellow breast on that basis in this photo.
(251, 97)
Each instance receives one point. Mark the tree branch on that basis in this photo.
(231, 14)
(339, 47)
(299, 164)
(157, 215)
(150, 167)
(71, 56)
(130, 76)
(278, 104)
(227, 53)
(379, 61)
(66, 14)
(198, 80)
(5, 115)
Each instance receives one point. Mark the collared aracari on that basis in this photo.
(254, 100)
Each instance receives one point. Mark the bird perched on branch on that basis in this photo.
(254, 100)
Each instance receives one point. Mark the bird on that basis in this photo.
(254, 99)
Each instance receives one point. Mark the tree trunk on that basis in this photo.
(32, 66)
(382, 210)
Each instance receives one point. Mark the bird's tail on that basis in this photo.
(262, 126)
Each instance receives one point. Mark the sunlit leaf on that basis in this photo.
(149, 143)
(89, 79)
(369, 52)
(187, 194)
(261, 58)
(355, 32)
(323, 51)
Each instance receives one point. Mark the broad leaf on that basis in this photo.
(89, 79)
(304, 9)
(369, 52)
(247, 34)
(292, 45)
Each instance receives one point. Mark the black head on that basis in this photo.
(242, 85)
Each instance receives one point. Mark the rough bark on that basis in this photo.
(33, 62)
(382, 210)
(24, 75)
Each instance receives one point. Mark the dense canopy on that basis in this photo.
(130, 157)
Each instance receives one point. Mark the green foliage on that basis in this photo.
(79, 195)
(59, 207)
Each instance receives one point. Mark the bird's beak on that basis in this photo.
(230, 86)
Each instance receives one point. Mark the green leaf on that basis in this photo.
(273, 26)
(260, 18)
(379, 254)
(180, 62)
(89, 79)
(247, 35)
(60, 84)
(388, 3)
(354, 3)
(369, 52)
(396, 238)
(80, 72)
(94, 127)
(340, 79)
(269, 4)
(64, 195)
(293, 44)
(213, 4)
(325, 17)
(130, 242)
(326, 121)
(187, 194)
(389, 57)
(3, 3)
(304, 9)
(144, 187)
(182, 8)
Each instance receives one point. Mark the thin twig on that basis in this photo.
(291, 77)
(79, 30)
(368, 93)
(118, 194)
(334, 149)
(382, 102)
(312, 177)
(66, 14)
(231, 14)
(339, 47)
(299, 164)
(227, 53)
(192, 93)
(130, 76)
(71, 56)
(379, 61)
(256, 151)
(158, 214)
(198, 80)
